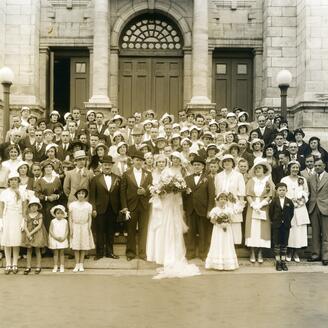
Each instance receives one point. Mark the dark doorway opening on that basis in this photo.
(62, 85)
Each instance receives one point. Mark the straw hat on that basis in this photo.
(227, 157)
(260, 161)
(34, 200)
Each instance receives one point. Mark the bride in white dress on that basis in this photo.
(172, 248)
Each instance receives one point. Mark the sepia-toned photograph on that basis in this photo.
(164, 163)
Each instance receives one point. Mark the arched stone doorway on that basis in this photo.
(150, 65)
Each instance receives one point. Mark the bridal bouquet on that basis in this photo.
(220, 216)
(169, 184)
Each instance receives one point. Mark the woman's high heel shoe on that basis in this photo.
(27, 271)
(15, 269)
(7, 270)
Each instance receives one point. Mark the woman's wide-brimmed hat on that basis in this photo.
(54, 112)
(58, 207)
(257, 140)
(167, 115)
(177, 155)
(233, 145)
(21, 164)
(100, 144)
(34, 200)
(46, 163)
(90, 111)
(52, 145)
(13, 175)
(243, 113)
(227, 157)
(120, 144)
(186, 140)
(260, 161)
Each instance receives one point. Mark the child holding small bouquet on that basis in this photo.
(222, 254)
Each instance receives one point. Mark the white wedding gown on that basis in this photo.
(171, 249)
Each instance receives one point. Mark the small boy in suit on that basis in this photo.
(281, 212)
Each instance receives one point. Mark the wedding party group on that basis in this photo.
(174, 188)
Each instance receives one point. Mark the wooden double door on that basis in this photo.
(233, 81)
(150, 83)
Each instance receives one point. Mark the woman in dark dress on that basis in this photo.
(49, 190)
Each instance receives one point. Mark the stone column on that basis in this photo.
(200, 100)
(100, 69)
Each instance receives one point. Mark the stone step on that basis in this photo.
(136, 264)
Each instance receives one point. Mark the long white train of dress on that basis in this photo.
(171, 251)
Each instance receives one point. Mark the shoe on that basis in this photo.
(325, 262)
(37, 270)
(297, 258)
(278, 266)
(314, 259)
(15, 269)
(116, 234)
(125, 234)
(98, 257)
(55, 269)
(252, 259)
(61, 269)
(77, 267)
(260, 260)
(288, 258)
(7, 270)
(284, 266)
(27, 271)
(112, 256)
(130, 258)
(87, 257)
(81, 268)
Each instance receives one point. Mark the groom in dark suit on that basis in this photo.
(104, 197)
(198, 200)
(135, 197)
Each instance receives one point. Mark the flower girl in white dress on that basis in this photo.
(222, 254)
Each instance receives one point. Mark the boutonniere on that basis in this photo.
(287, 205)
(146, 174)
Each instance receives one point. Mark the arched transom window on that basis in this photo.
(151, 32)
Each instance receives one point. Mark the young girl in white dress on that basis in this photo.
(222, 254)
(58, 233)
(80, 219)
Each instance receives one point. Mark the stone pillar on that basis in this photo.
(114, 77)
(100, 67)
(200, 100)
(258, 77)
(44, 77)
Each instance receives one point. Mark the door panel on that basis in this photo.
(153, 83)
(79, 82)
(233, 83)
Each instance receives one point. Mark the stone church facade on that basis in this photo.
(167, 55)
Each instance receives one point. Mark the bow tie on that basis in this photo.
(107, 175)
(197, 174)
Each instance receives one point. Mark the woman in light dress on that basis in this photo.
(14, 158)
(259, 192)
(232, 182)
(172, 248)
(298, 192)
(154, 249)
(12, 212)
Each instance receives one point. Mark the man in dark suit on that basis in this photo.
(318, 210)
(39, 147)
(281, 212)
(135, 197)
(263, 131)
(105, 200)
(281, 170)
(137, 134)
(151, 143)
(64, 149)
(198, 200)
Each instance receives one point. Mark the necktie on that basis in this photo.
(38, 147)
